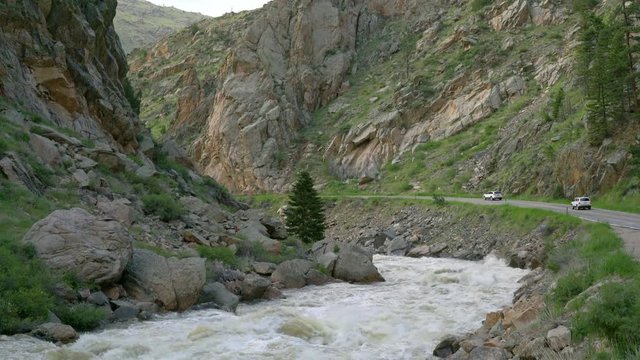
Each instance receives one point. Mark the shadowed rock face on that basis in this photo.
(62, 59)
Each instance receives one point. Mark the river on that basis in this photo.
(402, 318)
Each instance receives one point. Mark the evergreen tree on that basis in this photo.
(305, 215)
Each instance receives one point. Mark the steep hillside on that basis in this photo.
(446, 96)
(99, 224)
(140, 23)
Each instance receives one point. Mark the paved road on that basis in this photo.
(626, 225)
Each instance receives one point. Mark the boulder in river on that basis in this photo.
(57, 333)
(174, 284)
(217, 295)
(292, 273)
(74, 241)
(353, 263)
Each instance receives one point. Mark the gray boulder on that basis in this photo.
(292, 273)
(74, 241)
(328, 261)
(447, 347)
(399, 246)
(264, 268)
(119, 209)
(275, 228)
(355, 264)
(174, 284)
(559, 338)
(218, 294)
(125, 311)
(57, 333)
(488, 353)
(253, 287)
(98, 299)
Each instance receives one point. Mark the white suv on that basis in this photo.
(581, 203)
(492, 195)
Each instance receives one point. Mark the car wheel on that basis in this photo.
(588, 207)
(573, 207)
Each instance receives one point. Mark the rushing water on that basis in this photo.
(403, 318)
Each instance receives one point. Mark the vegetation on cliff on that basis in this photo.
(140, 23)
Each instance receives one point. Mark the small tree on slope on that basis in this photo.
(305, 215)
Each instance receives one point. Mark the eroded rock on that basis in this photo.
(95, 249)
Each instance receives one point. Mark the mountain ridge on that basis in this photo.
(139, 22)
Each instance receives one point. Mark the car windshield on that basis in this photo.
(584, 199)
(497, 193)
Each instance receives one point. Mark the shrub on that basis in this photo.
(477, 5)
(3, 146)
(82, 317)
(439, 200)
(615, 315)
(223, 254)
(133, 97)
(24, 299)
(571, 286)
(164, 206)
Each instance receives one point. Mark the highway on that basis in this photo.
(626, 225)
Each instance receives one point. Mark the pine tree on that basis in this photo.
(305, 215)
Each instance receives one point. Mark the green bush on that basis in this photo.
(439, 200)
(134, 98)
(24, 298)
(570, 286)
(477, 5)
(614, 315)
(164, 206)
(255, 251)
(223, 254)
(3, 146)
(82, 317)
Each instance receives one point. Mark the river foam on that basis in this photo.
(402, 318)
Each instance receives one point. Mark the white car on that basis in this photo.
(581, 203)
(492, 195)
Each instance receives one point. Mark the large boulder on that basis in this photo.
(55, 332)
(254, 287)
(488, 353)
(275, 227)
(172, 283)
(292, 273)
(355, 264)
(217, 294)
(74, 241)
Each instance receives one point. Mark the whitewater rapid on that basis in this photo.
(402, 318)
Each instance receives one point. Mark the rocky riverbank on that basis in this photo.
(526, 330)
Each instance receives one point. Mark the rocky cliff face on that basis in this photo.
(62, 60)
(292, 60)
(347, 88)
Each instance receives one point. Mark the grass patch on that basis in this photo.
(82, 317)
(164, 206)
(223, 254)
(614, 313)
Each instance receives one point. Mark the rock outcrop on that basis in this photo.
(74, 241)
(172, 283)
(42, 69)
